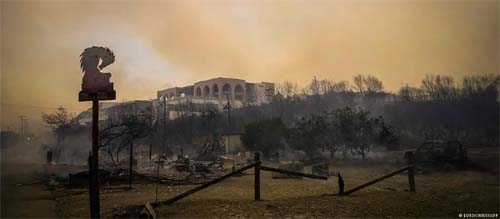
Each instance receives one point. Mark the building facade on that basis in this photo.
(213, 94)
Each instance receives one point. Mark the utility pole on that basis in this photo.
(22, 118)
(27, 129)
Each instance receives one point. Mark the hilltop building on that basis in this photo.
(212, 95)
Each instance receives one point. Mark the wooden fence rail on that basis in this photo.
(293, 173)
(205, 185)
(410, 159)
(375, 181)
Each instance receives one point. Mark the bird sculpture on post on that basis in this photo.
(95, 82)
(95, 86)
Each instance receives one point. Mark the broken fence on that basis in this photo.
(258, 167)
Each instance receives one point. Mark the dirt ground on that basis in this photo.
(438, 195)
(24, 191)
(445, 194)
(24, 195)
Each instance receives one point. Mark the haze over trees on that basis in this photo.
(338, 117)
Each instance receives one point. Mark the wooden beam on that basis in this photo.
(293, 173)
(376, 180)
(204, 186)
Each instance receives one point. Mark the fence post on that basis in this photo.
(341, 184)
(150, 150)
(257, 176)
(157, 180)
(410, 159)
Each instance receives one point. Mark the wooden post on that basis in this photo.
(150, 151)
(130, 166)
(95, 158)
(157, 180)
(410, 159)
(95, 91)
(257, 177)
(341, 184)
(91, 184)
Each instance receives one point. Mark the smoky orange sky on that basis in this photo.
(166, 43)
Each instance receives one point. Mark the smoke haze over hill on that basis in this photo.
(160, 44)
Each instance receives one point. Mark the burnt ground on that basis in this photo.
(25, 192)
(440, 193)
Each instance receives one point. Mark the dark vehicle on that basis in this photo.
(437, 153)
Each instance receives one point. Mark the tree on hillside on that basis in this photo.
(62, 123)
(367, 84)
(314, 87)
(408, 93)
(372, 84)
(439, 87)
(288, 89)
(123, 127)
(359, 84)
(480, 84)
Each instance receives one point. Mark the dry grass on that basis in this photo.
(438, 195)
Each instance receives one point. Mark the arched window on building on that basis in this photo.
(238, 92)
(226, 91)
(197, 92)
(215, 91)
(206, 91)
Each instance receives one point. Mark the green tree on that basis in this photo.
(314, 133)
(266, 136)
(356, 130)
(348, 130)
